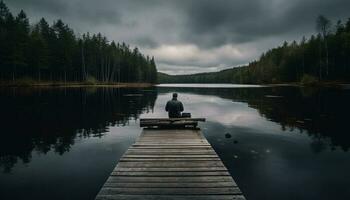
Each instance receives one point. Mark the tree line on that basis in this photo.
(54, 52)
(324, 56)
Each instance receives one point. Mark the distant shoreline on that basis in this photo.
(76, 84)
(141, 85)
(316, 84)
(297, 84)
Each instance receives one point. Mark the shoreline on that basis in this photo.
(294, 84)
(78, 84)
(333, 84)
(144, 85)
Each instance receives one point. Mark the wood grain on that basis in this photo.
(170, 164)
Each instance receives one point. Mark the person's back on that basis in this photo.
(174, 107)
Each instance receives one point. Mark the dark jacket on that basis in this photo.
(174, 107)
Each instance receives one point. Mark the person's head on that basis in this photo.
(174, 95)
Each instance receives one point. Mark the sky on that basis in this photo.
(191, 36)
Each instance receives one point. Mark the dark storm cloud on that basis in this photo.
(204, 22)
(85, 10)
(146, 42)
(198, 35)
(213, 23)
(56, 6)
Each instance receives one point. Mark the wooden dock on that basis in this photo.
(170, 164)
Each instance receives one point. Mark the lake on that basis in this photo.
(277, 142)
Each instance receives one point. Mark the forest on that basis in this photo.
(54, 53)
(324, 57)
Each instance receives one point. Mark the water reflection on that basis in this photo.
(320, 113)
(45, 119)
(50, 119)
(278, 142)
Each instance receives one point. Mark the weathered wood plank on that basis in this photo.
(172, 134)
(183, 137)
(172, 141)
(167, 159)
(170, 153)
(170, 156)
(170, 144)
(170, 174)
(170, 191)
(170, 137)
(171, 164)
(194, 179)
(171, 147)
(172, 169)
(177, 136)
(170, 197)
(170, 185)
(185, 149)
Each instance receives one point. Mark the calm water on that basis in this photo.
(278, 142)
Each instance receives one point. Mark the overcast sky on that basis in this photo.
(191, 36)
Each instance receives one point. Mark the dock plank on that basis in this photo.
(170, 197)
(167, 191)
(194, 179)
(168, 159)
(170, 164)
(171, 185)
(171, 169)
(171, 174)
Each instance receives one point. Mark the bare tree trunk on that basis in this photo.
(118, 74)
(109, 69)
(83, 68)
(112, 73)
(104, 69)
(101, 69)
(320, 67)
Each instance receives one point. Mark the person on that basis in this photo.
(174, 107)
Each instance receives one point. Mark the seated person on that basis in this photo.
(174, 107)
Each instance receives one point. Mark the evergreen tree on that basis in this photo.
(20, 44)
(55, 53)
(39, 53)
(6, 23)
(325, 56)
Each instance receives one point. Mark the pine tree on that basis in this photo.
(39, 53)
(6, 21)
(20, 48)
(323, 26)
(55, 53)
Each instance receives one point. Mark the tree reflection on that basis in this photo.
(321, 113)
(51, 119)
(45, 120)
